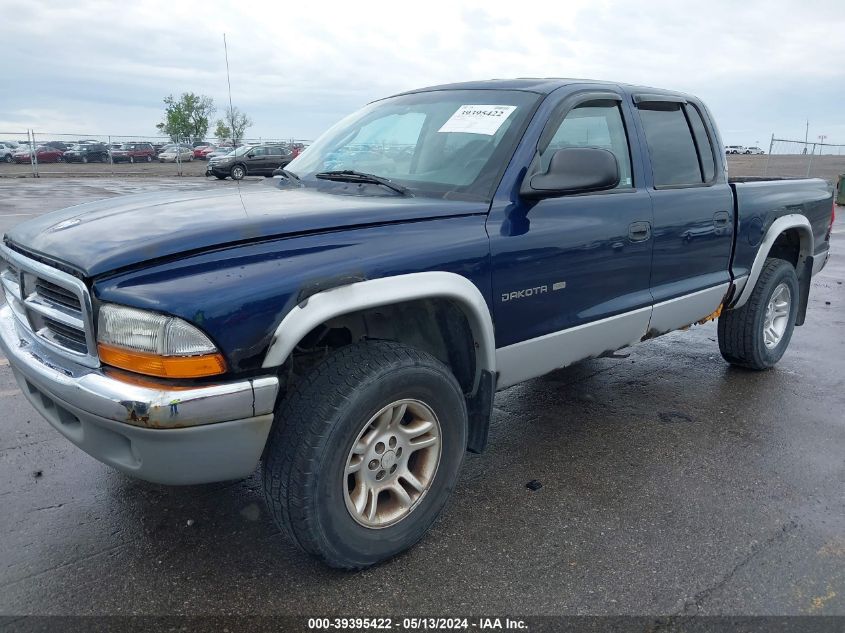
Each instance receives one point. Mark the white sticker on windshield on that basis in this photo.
(478, 119)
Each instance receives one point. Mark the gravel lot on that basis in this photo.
(671, 484)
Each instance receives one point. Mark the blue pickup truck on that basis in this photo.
(348, 323)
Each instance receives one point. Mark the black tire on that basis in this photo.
(149, 159)
(238, 172)
(316, 426)
(8, 158)
(132, 159)
(741, 336)
(84, 159)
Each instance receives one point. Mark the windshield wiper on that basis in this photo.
(350, 175)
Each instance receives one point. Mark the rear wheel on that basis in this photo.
(757, 334)
(365, 452)
(149, 159)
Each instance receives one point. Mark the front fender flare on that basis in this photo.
(373, 293)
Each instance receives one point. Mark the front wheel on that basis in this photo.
(238, 172)
(365, 452)
(756, 335)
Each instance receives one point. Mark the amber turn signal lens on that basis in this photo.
(162, 366)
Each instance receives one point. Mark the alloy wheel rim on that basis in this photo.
(392, 463)
(777, 316)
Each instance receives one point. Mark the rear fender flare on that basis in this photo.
(783, 223)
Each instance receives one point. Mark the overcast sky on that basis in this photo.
(102, 67)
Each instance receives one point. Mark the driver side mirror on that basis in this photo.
(574, 170)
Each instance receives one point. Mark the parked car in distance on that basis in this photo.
(43, 154)
(58, 145)
(88, 153)
(172, 153)
(222, 150)
(754, 150)
(734, 149)
(349, 327)
(203, 151)
(256, 160)
(133, 153)
(7, 152)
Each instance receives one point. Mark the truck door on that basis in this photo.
(571, 273)
(693, 211)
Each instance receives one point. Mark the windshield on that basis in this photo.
(446, 143)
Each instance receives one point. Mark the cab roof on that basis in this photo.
(541, 85)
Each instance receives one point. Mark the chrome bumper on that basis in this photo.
(177, 436)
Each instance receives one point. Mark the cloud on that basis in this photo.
(104, 67)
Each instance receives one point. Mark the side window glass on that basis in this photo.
(674, 160)
(259, 151)
(702, 141)
(594, 124)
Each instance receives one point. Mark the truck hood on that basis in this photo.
(99, 237)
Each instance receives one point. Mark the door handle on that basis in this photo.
(721, 218)
(639, 231)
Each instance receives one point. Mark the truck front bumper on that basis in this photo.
(169, 436)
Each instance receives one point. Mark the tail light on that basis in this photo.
(832, 219)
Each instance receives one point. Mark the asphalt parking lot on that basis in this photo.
(672, 484)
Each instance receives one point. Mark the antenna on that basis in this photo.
(229, 81)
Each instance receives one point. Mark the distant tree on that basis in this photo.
(236, 121)
(223, 131)
(187, 117)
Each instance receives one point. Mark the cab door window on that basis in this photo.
(594, 124)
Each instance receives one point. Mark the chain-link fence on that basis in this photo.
(35, 153)
(795, 159)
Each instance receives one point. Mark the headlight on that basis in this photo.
(155, 344)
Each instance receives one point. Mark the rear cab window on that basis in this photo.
(679, 146)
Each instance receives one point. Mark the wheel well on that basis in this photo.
(437, 326)
(787, 246)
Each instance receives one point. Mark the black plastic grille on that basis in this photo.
(57, 294)
(68, 336)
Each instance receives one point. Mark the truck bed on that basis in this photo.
(760, 201)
